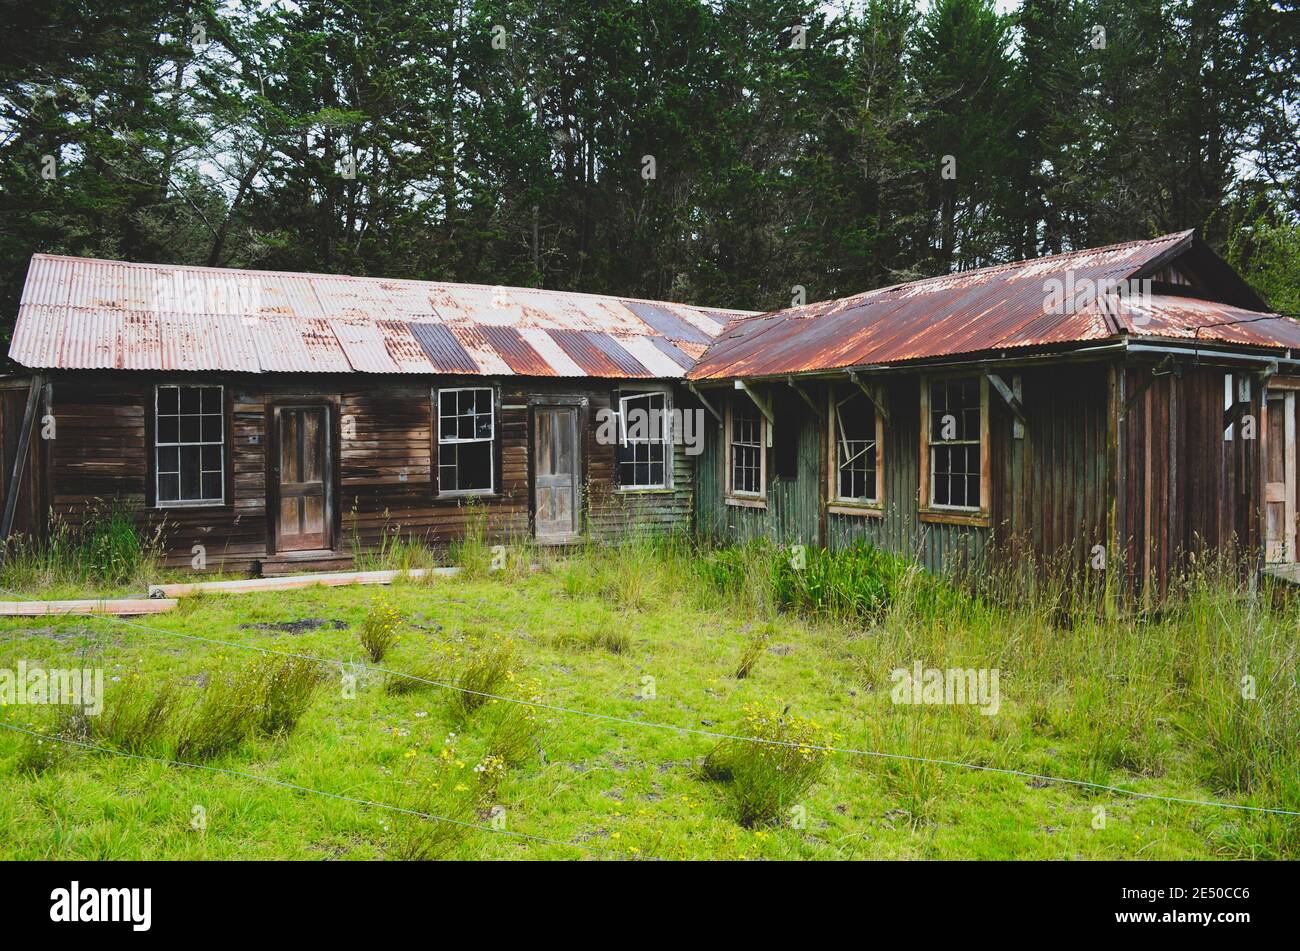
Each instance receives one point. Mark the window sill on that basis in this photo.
(647, 490)
(215, 504)
(469, 494)
(956, 517)
(747, 503)
(852, 508)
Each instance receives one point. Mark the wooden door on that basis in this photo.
(303, 519)
(557, 506)
(1280, 478)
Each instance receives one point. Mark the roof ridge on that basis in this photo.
(399, 280)
(986, 269)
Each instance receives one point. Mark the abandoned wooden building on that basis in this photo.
(281, 422)
(1134, 404)
(1129, 406)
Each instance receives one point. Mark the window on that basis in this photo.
(955, 410)
(645, 441)
(465, 434)
(746, 459)
(189, 445)
(856, 430)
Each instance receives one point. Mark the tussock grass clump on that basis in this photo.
(754, 648)
(287, 686)
(914, 785)
(135, 719)
(764, 779)
(454, 798)
(38, 755)
(222, 717)
(381, 628)
(486, 670)
(397, 552)
(514, 730)
(605, 637)
(436, 665)
(743, 576)
(631, 574)
(471, 553)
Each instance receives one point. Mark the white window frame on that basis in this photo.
(841, 502)
(666, 435)
(979, 511)
(455, 441)
(733, 495)
(158, 500)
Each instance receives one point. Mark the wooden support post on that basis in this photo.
(707, 405)
(764, 407)
(803, 394)
(15, 486)
(1266, 374)
(1011, 396)
(877, 398)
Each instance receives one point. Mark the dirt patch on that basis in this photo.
(295, 627)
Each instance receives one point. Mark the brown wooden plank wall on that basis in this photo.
(386, 471)
(1185, 487)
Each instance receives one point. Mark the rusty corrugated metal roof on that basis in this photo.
(990, 309)
(1167, 317)
(82, 313)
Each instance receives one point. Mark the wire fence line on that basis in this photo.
(697, 731)
(271, 781)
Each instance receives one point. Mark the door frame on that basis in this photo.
(582, 405)
(1286, 395)
(333, 523)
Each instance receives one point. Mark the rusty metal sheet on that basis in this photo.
(591, 359)
(443, 349)
(403, 349)
(480, 349)
(517, 352)
(1187, 318)
(597, 354)
(674, 352)
(668, 323)
(550, 351)
(90, 314)
(622, 357)
(993, 308)
(363, 344)
(649, 356)
(289, 345)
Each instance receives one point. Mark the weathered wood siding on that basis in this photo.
(385, 474)
(1186, 488)
(1049, 490)
(793, 504)
(32, 503)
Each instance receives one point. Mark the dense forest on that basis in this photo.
(725, 152)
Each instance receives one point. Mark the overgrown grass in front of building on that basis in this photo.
(1195, 698)
(107, 548)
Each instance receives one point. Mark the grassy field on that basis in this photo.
(730, 642)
